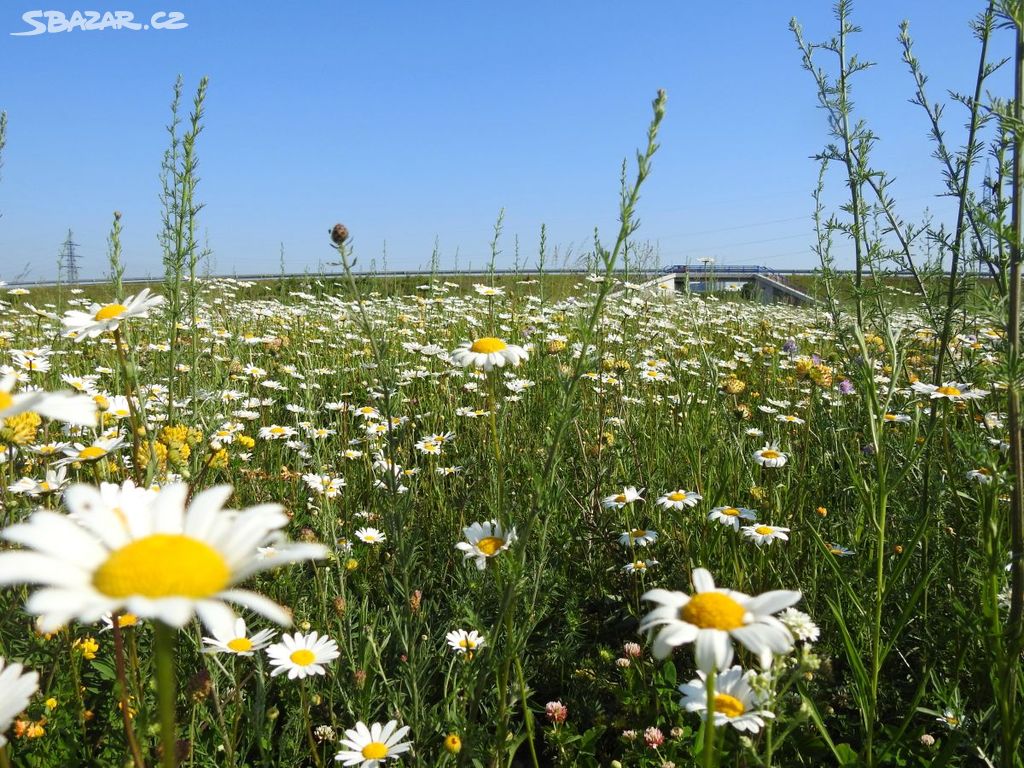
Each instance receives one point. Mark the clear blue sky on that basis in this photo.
(410, 120)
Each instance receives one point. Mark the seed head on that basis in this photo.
(339, 234)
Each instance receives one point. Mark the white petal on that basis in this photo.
(703, 580)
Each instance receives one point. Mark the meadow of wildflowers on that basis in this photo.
(505, 525)
(387, 587)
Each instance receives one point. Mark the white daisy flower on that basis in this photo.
(368, 747)
(487, 353)
(277, 432)
(771, 456)
(619, 500)
(164, 561)
(98, 449)
(980, 475)
(896, 418)
(485, 540)
(370, 536)
(59, 406)
(765, 534)
(488, 290)
(953, 390)
(55, 481)
(712, 617)
(679, 499)
(731, 516)
(639, 566)
(233, 638)
(465, 642)
(16, 688)
(735, 701)
(100, 318)
(302, 655)
(639, 537)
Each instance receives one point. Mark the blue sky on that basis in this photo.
(411, 120)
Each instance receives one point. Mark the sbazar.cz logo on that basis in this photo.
(43, 22)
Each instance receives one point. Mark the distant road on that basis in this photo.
(441, 273)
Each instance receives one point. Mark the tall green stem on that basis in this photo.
(708, 753)
(163, 643)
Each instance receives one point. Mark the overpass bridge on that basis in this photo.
(758, 282)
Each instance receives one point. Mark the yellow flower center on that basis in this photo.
(728, 705)
(277, 430)
(6, 400)
(303, 657)
(92, 452)
(982, 471)
(490, 544)
(241, 645)
(163, 565)
(764, 530)
(639, 565)
(487, 345)
(375, 750)
(676, 496)
(110, 311)
(948, 391)
(127, 620)
(620, 498)
(770, 454)
(730, 511)
(637, 533)
(713, 610)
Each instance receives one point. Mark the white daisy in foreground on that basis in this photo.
(16, 688)
(487, 353)
(735, 701)
(484, 540)
(233, 638)
(638, 537)
(953, 390)
(712, 617)
(771, 456)
(369, 747)
(100, 318)
(59, 406)
(765, 534)
(619, 500)
(679, 499)
(731, 516)
(302, 655)
(164, 561)
(465, 642)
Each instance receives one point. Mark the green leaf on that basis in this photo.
(668, 672)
